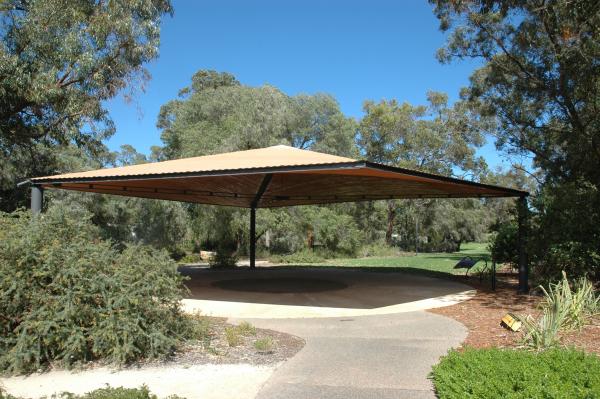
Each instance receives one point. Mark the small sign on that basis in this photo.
(511, 322)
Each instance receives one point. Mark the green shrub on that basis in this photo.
(190, 258)
(580, 302)
(246, 329)
(264, 344)
(225, 257)
(301, 257)
(233, 336)
(574, 258)
(543, 332)
(496, 373)
(67, 296)
(378, 249)
(564, 308)
(4, 395)
(504, 247)
(105, 393)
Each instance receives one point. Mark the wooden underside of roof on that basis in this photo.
(289, 188)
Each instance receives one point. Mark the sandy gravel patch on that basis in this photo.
(206, 381)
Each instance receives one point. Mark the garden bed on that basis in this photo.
(209, 368)
(252, 346)
(482, 314)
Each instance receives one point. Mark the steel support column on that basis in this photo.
(261, 190)
(523, 262)
(37, 199)
(252, 238)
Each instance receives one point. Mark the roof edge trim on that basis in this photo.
(433, 176)
(224, 172)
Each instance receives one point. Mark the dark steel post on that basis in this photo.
(261, 190)
(416, 234)
(523, 264)
(37, 199)
(252, 237)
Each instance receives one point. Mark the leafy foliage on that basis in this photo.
(435, 138)
(304, 256)
(218, 114)
(69, 296)
(497, 373)
(130, 220)
(106, 393)
(566, 306)
(540, 83)
(59, 62)
(505, 244)
(264, 345)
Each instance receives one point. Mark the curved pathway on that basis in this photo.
(380, 356)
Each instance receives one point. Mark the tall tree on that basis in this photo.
(217, 114)
(435, 138)
(59, 61)
(541, 80)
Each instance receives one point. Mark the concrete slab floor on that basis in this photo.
(299, 292)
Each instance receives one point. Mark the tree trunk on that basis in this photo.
(391, 218)
(310, 239)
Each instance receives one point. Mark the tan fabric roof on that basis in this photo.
(270, 177)
(276, 156)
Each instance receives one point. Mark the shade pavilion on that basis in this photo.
(275, 176)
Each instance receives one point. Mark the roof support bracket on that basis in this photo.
(261, 189)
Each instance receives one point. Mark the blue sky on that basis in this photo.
(354, 50)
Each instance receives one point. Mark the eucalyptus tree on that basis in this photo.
(126, 220)
(436, 137)
(59, 62)
(540, 80)
(216, 113)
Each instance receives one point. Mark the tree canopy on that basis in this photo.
(540, 82)
(218, 114)
(59, 61)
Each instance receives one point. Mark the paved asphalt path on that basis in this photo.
(385, 356)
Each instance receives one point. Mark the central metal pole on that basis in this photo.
(523, 263)
(37, 199)
(261, 190)
(252, 237)
(416, 235)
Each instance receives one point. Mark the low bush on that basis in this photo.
(304, 256)
(190, 258)
(380, 249)
(574, 258)
(504, 247)
(264, 345)
(105, 393)
(225, 257)
(566, 306)
(233, 336)
(497, 373)
(246, 329)
(67, 296)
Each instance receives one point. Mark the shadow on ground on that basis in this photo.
(339, 287)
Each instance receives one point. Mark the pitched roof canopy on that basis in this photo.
(270, 177)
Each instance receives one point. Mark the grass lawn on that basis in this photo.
(434, 263)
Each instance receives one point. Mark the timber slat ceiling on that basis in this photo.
(298, 177)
